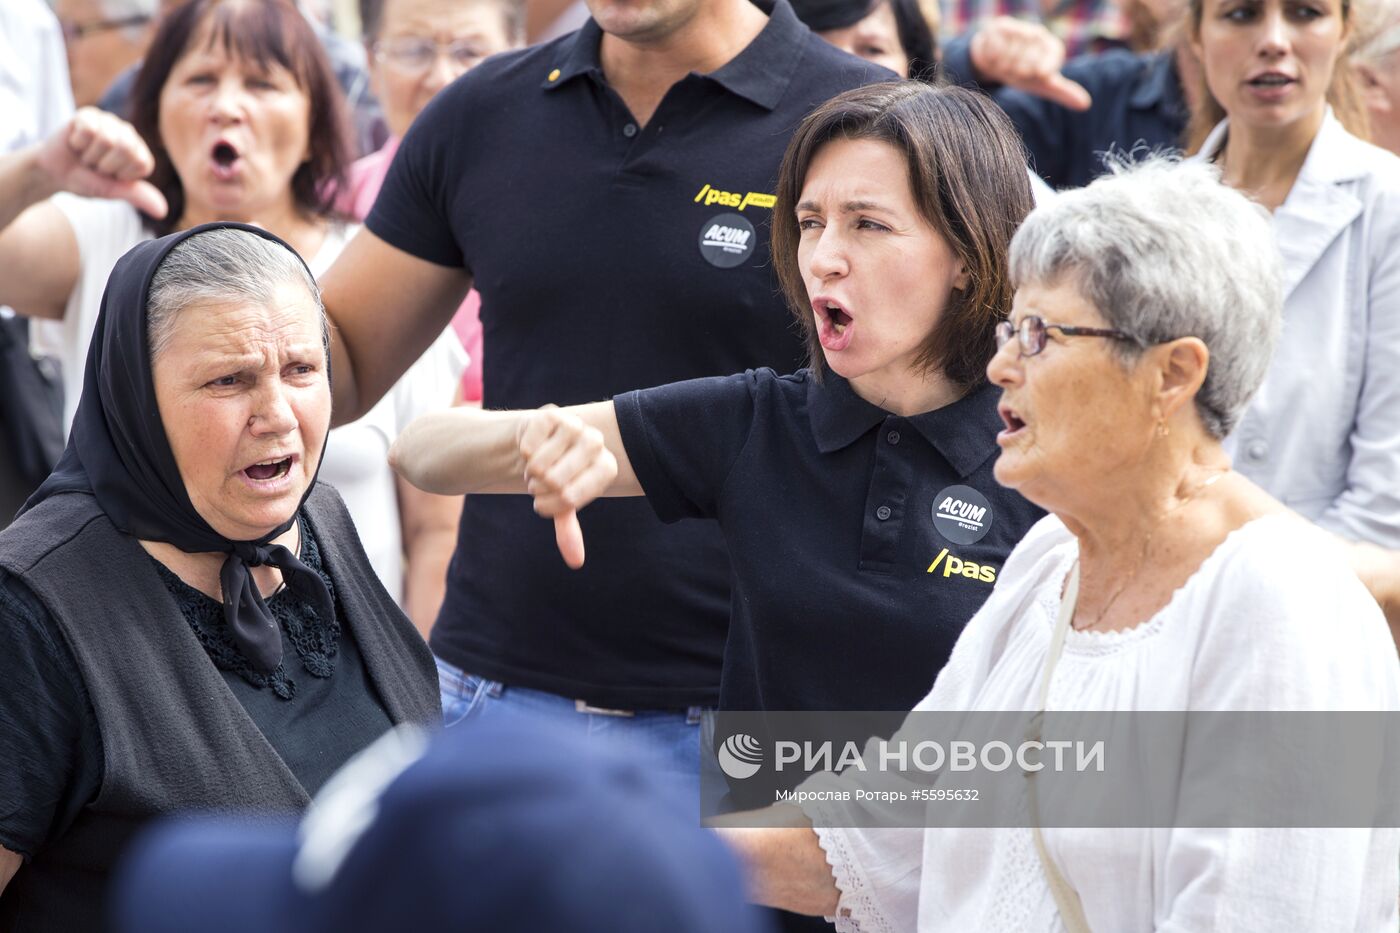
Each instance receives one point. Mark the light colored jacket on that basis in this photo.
(1323, 433)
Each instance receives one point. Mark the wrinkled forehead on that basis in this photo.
(288, 324)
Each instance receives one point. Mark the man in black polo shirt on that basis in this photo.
(608, 194)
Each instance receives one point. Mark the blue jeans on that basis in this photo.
(666, 743)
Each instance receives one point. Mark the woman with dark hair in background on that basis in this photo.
(236, 117)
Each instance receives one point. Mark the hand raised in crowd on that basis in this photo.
(1025, 56)
(100, 155)
(567, 465)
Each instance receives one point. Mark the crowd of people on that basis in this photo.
(355, 382)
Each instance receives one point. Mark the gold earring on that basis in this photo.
(1162, 429)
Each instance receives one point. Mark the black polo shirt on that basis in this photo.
(609, 257)
(862, 541)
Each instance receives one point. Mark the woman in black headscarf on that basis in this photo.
(187, 621)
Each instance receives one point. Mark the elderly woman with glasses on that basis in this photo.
(416, 48)
(1162, 580)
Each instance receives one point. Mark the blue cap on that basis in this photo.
(498, 825)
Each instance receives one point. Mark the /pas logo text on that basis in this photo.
(710, 195)
(956, 566)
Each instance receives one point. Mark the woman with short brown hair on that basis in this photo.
(856, 497)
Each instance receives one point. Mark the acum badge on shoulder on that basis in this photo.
(962, 514)
(726, 240)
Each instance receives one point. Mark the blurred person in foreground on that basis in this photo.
(516, 827)
(416, 48)
(1162, 580)
(187, 618)
(237, 117)
(1280, 115)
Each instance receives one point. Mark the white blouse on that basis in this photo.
(1274, 619)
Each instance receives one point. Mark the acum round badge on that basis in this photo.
(727, 240)
(962, 514)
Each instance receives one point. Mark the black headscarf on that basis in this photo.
(118, 452)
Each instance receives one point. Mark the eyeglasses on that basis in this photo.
(415, 55)
(72, 32)
(1033, 333)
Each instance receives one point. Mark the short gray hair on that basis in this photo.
(1164, 250)
(217, 266)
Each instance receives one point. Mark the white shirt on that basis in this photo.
(1273, 620)
(1323, 433)
(35, 95)
(357, 454)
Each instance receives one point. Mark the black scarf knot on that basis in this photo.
(255, 631)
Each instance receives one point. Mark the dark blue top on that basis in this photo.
(1138, 100)
(862, 541)
(609, 257)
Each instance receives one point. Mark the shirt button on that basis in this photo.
(892, 437)
(629, 130)
(1257, 450)
(883, 512)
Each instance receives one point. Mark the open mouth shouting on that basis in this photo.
(1014, 423)
(834, 323)
(225, 161)
(272, 474)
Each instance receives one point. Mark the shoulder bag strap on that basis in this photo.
(1066, 899)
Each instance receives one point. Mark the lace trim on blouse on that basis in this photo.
(856, 910)
(314, 639)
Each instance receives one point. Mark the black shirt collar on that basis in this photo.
(1158, 85)
(760, 73)
(965, 432)
(580, 56)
